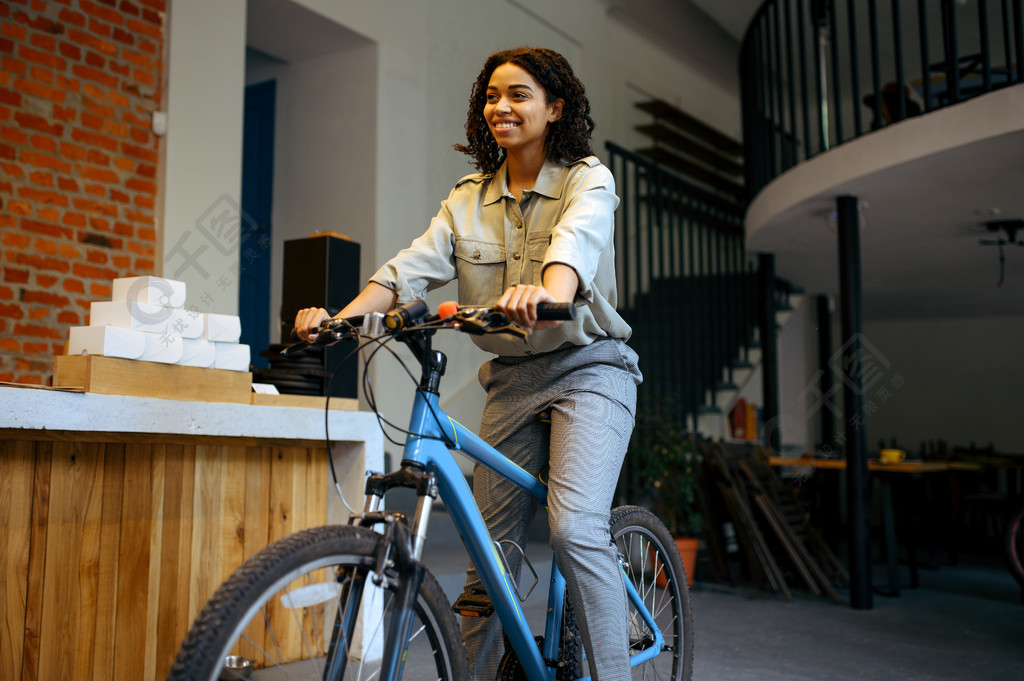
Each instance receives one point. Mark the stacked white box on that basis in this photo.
(108, 341)
(196, 352)
(232, 356)
(222, 328)
(152, 290)
(186, 324)
(164, 348)
(224, 331)
(146, 319)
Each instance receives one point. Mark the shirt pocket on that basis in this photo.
(536, 249)
(480, 266)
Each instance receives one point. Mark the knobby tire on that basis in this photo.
(649, 554)
(275, 610)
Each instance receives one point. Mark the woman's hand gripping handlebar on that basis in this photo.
(480, 320)
(472, 319)
(329, 332)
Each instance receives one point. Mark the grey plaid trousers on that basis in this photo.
(590, 392)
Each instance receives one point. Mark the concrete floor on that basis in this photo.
(963, 622)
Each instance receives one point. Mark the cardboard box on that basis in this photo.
(186, 324)
(195, 352)
(113, 376)
(162, 347)
(109, 341)
(129, 315)
(223, 328)
(151, 290)
(231, 356)
(145, 317)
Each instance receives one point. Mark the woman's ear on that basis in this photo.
(555, 110)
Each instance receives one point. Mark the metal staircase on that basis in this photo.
(689, 290)
(746, 373)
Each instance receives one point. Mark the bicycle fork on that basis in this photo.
(409, 554)
(399, 553)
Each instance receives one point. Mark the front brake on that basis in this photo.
(482, 320)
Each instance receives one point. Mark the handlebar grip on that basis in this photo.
(406, 315)
(556, 312)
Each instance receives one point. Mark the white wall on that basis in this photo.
(426, 56)
(324, 153)
(959, 380)
(799, 410)
(429, 55)
(202, 151)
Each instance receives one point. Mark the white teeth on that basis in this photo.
(503, 126)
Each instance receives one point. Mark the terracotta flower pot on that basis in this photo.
(687, 547)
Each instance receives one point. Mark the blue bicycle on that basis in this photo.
(355, 602)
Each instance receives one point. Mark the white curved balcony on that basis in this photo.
(927, 185)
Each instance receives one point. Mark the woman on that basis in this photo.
(535, 225)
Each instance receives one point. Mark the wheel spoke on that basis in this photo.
(649, 558)
(275, 609)
(297, 618)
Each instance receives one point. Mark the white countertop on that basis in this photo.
(36, 409)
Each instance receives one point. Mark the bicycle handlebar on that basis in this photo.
(472, 319)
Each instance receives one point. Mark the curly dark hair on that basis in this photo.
(568, 138)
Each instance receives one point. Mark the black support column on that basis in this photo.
(858, 487)
(769, 348)
(828, 417)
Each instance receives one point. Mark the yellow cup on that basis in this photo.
(892, 455)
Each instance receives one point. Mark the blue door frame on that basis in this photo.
(257, 202)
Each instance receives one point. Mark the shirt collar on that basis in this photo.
(549, 182)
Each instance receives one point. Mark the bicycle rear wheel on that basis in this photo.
(652, 563)
(280, 609)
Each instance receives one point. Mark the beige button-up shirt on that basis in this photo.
(489, 241)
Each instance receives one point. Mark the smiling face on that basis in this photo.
(517, 111)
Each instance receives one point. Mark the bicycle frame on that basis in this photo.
(429, 428)
(357, 599)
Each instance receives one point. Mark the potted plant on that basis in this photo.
(666, 462)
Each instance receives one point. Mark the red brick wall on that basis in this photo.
(78, 165)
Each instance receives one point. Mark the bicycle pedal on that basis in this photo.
(473, 603)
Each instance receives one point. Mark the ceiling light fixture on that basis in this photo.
(1011, 227)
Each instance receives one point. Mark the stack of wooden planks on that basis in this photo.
(780, 548)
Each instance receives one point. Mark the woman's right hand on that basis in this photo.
(307, 322)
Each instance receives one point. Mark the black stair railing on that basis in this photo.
(817, 73)
(686, 285)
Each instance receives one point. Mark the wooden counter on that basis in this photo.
(119, 517)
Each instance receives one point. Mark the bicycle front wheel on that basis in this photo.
(306, 607)
(652, 563)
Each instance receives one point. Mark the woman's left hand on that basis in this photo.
(519, 303)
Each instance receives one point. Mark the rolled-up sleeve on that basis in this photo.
(585, 226)
(425, 265)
